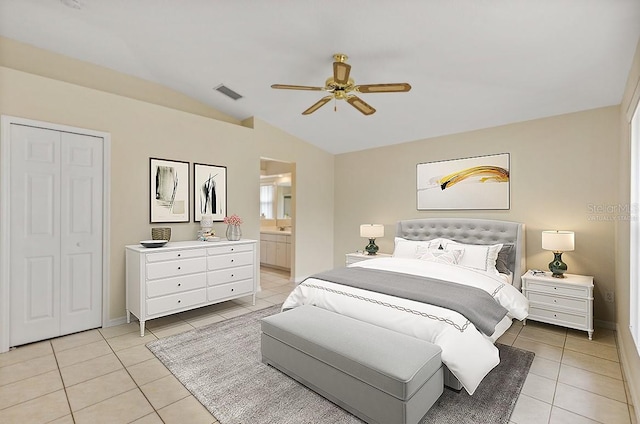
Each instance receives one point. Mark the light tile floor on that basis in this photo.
(109, 376)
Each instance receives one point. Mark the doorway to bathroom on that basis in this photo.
(277, 214)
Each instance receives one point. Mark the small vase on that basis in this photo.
(234, 232)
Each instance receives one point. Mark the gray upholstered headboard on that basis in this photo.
(471, 231)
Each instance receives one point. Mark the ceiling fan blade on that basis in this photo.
(317, 105)
(361, 105)
(341, 72)
(296, 87)
(383, 88)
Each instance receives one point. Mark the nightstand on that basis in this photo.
(351, 258)
(567, 302)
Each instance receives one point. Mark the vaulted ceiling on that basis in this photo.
(471, 63)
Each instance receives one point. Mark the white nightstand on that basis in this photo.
(351, 258)
(561, 301)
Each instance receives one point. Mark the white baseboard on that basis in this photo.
(114, 322)
(607, 325)
(635, 399)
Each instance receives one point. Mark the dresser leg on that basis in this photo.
(128, 317)
(141, 328)
(590, 334)
(524, 322)
(254, 299)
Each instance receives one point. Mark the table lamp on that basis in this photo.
(558, 242)
(371, 231)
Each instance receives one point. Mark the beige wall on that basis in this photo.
(141, 128)
(559, 166)
(630, 357)
(139, 131)
(313, 200)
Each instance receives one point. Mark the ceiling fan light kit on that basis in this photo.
(341, 86)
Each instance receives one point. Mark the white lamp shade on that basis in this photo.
(371, 230)
(558, 241)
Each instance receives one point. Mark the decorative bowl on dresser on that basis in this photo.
(567, 302)
(186, 275)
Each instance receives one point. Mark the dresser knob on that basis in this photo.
(555, 301)
(179, 301)
(232, 289)
(179, 284)
(179, 268)
(232, 249)
(231, 260)
(179, 255)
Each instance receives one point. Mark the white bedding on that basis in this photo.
(468, 353)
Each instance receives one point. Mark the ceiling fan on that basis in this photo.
(341, 87)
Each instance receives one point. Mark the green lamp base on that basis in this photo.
(557, 267)
(371, 248)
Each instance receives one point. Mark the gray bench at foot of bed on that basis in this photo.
(376, 374)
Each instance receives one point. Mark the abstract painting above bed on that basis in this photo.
(418, 242)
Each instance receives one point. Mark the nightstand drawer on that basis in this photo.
(556, 317)
(564, 289)
(579, 305)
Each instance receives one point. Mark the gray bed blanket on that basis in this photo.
(473, 303)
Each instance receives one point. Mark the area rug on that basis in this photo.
(221, 366)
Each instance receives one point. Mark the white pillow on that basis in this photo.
(477, 256)
(409, 248)
(449, 257)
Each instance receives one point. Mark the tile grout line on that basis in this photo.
(64, 386)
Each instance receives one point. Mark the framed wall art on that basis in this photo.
(209, 191)
(480, 182)
(169, 190)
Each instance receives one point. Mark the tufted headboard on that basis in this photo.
(471, 231)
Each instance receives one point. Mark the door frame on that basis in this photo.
(5, 246)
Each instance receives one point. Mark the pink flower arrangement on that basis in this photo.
(232, 220)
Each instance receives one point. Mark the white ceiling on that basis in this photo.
(472, 63)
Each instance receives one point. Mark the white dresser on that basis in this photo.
(561, 301)
(185, 275)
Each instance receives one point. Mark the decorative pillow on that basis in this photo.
(449, 257)
(477, 256)
(409, 248)
(502, 261)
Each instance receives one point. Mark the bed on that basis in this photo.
(473, 258)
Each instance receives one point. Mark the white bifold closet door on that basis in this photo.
(56, 237)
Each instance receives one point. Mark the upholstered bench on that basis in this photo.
(376, 374)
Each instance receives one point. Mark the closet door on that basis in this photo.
(81, 233)
(56, 233)
(35, 234)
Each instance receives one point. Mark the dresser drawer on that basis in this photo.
(176, 254)
(229, 260)
(221, 250)
(579, 305)
(224, 291)
(556, 317)
(173, 285)
(565, 290)
(164, 304)
(175, 268)
(229, 275)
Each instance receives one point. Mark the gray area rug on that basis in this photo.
(221, 366)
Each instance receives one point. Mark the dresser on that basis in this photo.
(185, 275)
(351, 258)
(567, 302)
